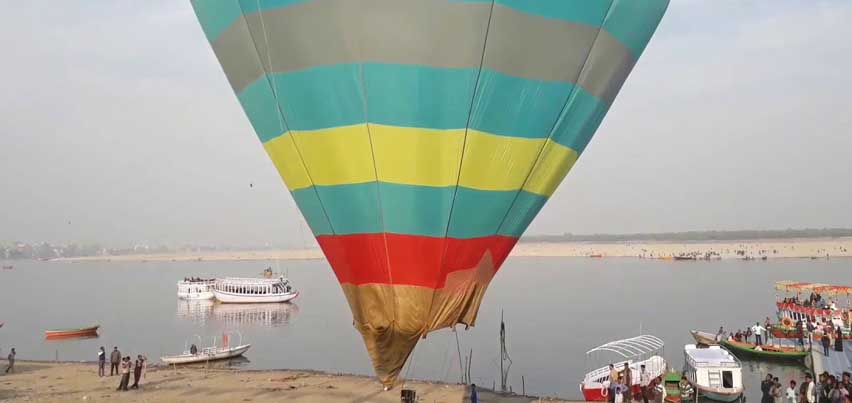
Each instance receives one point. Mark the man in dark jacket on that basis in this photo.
(114, 359)
(765, 387)
(11, 358)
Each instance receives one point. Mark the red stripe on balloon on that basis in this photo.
(414, 260)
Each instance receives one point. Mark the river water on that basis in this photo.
(555, 309)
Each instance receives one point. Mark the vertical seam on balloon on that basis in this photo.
(378, 189)
(562, 111)
(461, 158)
(282, 120)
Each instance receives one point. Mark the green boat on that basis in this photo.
(742, 349)
(671, 383)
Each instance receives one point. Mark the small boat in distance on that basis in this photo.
(8, 267)
(684, 257)
(714, 372)
(195, 288)
(83, 332)
(240, 290)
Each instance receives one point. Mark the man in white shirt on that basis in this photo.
(758, 333)
(810, 390)
(644, 381)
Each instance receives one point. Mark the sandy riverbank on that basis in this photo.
(771, 249)
(78, 382)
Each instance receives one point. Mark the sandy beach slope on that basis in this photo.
(78, 382)
(771, 249)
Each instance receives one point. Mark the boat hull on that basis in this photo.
(719, 396)
(196, 296)
(205, 357)
(71, 333)
(747, 350)
(234, 298)
(597, 394)
(704, 338)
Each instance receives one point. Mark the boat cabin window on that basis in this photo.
(727, 379)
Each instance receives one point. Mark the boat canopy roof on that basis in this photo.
(827, 289)
(632, 347)
(252, 280)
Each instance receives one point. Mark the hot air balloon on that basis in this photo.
(419, 138)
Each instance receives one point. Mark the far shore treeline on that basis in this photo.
(694, 236)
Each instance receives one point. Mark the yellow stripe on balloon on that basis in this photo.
(286, 159)
(420, 157)
(426, 157)
(552, 166)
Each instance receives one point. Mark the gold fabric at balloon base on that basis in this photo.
(391, 318)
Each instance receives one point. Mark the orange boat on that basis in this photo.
(72, 333)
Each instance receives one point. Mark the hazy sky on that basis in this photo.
(117, 125)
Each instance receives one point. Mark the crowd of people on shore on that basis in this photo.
(620, 388)
(828, 389)
(122, 365)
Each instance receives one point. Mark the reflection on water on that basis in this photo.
(196, 311)
(235, 315)
(271, 315)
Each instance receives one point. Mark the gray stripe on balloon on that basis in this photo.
(426, 33)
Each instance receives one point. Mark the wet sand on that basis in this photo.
(757, 249)
(78, 382)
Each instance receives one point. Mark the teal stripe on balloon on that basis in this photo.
(415, 210)
(420, 96)
(632, 22)
(216, 16)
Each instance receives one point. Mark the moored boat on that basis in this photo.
(212, 353)
(714, 372)
(635, 352)
(72, 333)
(669, 390)
(743, 349)
(798, 305)
(195, 288)
(206, 354)
(254, 290)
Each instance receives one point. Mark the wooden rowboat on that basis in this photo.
(72, 333)
(766, 352)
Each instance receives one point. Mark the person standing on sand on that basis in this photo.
(791, 394)
(613, 380)
(474, 398)
(101, 362)
(766, 388)
(137, 371)
(125, 374)
(11, 359)
(644, 382)
(114, 359)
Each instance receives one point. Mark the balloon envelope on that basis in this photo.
(419, 138)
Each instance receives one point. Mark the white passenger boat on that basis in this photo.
(635, 352)
(714, 372)
(211, 353)
(195, 288)
(254, 290)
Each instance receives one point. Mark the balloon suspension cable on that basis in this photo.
(458, 347)
(504, 356)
